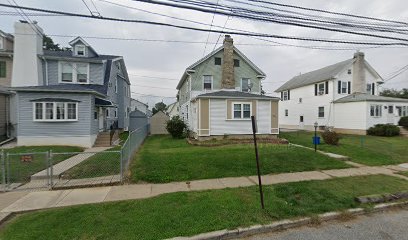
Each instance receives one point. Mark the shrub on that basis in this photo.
(403, 122)
(331, 137)
(387, 130)
(177, 127)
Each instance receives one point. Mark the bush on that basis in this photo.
(387, 130)
(403, 122)
(177, 127)
(331, 137)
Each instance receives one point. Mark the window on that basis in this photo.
(349, 71)
(115, 113)
(285, 96)
(55, 111)
(399, 110)
(369, 88)
(236, 63)
(391, 109)
(116, 85)
(2, 69)
(321, 88)
(321, 112)
(96, 115)
(242, 110)
(301, 119)
(344, 87)
(286, 112)
(1, 42)
(74, 72)
(80, 50)
(375, 111)
(405, 111)
(66, 70)
(245, 85)
(300, 100)
(217, 61)
(82, 72)
(207, 81)
(107, 113)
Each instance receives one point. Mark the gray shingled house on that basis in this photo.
(72, 97)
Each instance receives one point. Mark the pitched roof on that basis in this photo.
(236, 94)
(315, 76)
(239, 53)
(364, 97)
(72, 43)
(84, 88)
(68, 55)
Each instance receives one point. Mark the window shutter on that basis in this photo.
(338, 87)
(373, 88)
(349, 87)
(281, 95)
(327, 87)
(288, 94)
(315, 89)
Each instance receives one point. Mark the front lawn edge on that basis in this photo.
(289, 224)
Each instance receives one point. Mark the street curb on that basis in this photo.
(288, 224)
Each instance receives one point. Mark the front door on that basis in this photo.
(101, 119)
(390, 115)
(301, 123)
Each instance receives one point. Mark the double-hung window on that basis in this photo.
(1, 43)
(369, 88)
(74, 72)
(344, 87)
(245, 84)
(285, 96)
(321, 112)
(3, 69)
(55, 111)
(375, 110)
(80, 50)
(321, 88)
(207, 82)
(242, 110)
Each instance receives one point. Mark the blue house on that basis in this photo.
(74, 97)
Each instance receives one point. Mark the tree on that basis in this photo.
(395, 93)
(160, 106)
(49, 44)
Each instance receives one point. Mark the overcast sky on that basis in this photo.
(165, 62)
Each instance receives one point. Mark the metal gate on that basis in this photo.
(25, 171)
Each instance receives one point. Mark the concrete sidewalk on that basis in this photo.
(25, 201)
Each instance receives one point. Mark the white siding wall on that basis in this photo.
(385, 116)
(264, 117)
(308, 108)
(351, 115)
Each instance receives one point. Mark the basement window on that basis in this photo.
(217, 61)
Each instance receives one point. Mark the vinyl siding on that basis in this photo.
(27, 127)
(96, 72)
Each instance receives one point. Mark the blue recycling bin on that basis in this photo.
(316, 140)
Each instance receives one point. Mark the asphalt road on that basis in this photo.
(388, 225)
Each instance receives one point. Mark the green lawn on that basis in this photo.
(105, 163)
(22, 171)
(404, 173)
(368, 150)
(163, 159)
(190, 213)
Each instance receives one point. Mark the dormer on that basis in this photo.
(80, 48)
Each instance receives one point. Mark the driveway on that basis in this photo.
(380, 226)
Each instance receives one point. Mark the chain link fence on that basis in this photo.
(53, 170)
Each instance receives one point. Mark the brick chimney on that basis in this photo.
(227, 80)
(359, 80)
(28, 44)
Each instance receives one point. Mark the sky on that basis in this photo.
(155, 67)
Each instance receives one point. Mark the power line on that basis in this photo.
(136, 85)
(397, 73)
(153, 77)
(150, 95)
(86, 5)
(206, 30)
(208, 36)
(292, 23)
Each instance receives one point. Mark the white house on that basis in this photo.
(173, 109)
(219, 93)
(138, 105)
(344, 96)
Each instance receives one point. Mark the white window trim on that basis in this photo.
(286, 111)
(116, 85)
(285, 96)
(242, 111)
(341, 88)
(54, 109)
(375, 106)
(76, 50)
(74, 73)
(318, 112)
(212, 83)
(249, 82)
(2, 43)
(318, 88)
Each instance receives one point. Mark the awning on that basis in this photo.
(103, 103)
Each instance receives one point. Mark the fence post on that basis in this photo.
(3, 169)
(121, 165)
(8, 169)
(130, 147)
(50, 165)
